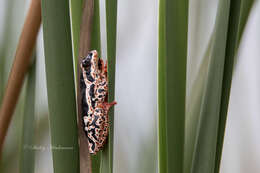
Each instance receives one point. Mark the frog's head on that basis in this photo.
(91, 62)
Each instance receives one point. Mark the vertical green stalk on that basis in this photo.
(237, 20)
(231, 47)
(27, 152)
(111, 21)
(176, 53)
(75, 20)
(231, 19)
(162, 142)
(173, 29)
(246, 6)
(239, 13)
(206, 140)
(60, 85)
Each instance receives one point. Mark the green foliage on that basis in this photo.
(162, 143)
(12, 22)
(205, 147)
(237, 18)
(173, 29)
(246, 6)
(194, 102)
(60, 85)
(235, 30)
(27, 152)
(213, 111)
(75, 20)
(111, 20)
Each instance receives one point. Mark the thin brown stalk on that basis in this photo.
(84, 46)
(20, 66)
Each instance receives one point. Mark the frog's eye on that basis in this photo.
(86, 62)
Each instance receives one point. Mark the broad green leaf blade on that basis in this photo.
(206, 140)
(235, 30)
(60, 85)
(111, 21)
(75, 21)
(173, 29)
(27, 152)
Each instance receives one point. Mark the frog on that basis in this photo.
(94, 101)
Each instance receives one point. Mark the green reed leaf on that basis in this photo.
(173, 29)
(111, 21)
(27, 152)
(60, 85)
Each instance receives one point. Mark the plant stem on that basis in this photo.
(20, 66)
(84, 47)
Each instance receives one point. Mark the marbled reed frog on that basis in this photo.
(94, 92)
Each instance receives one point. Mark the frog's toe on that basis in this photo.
(105, 67)
(107, 106)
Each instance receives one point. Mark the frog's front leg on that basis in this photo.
(105, 68)
(106, 106)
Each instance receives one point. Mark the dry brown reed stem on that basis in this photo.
(84, 46)
(20, 66)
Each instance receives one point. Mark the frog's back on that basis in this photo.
(97, 130)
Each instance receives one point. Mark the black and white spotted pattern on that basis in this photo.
(93, 84)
